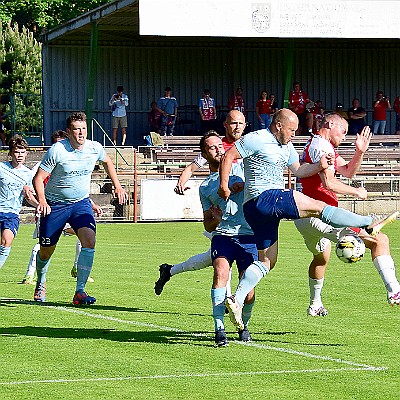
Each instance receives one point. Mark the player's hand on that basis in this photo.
(362, 139)
(216, 212)
(43, 208)
(28, 193)
(180, 189)
(237, 187)
(326, 161)
(362, 193)
(224, 193)
(121, 194)
(97, 209)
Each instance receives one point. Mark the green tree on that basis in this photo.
(21, 77)
(37, 15)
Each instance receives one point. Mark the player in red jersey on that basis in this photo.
(325, 187)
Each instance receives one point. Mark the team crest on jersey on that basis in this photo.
(261, 16)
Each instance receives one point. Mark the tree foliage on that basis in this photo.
(20, 75)
(37, 15)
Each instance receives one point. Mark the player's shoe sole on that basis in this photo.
(376, 226)
(235, 312)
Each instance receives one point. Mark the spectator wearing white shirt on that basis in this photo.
(118, 103)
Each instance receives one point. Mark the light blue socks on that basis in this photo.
(218, 297)
(338, 217)
(41, 269)
(4, 253)
(85, 263)
(253, 274)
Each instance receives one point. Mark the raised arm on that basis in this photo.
(184, 177)
(362, 143)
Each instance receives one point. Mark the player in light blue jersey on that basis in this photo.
(15, 184)
(65, 199)
(232, 237)
(266, 154)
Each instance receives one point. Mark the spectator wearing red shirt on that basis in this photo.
(380, 105)
(297, 103)
(396, 107)
(263, 110)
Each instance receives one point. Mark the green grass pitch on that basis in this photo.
(134, 345)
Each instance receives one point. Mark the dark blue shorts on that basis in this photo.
(241, 248)
(264, 213)
(78, 215)
(9, 221)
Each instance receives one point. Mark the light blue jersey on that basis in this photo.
(12, 181)
(70, 170)
(233, 222)
(265, 160)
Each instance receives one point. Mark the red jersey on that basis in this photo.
(237, 103)
(380, 111)
(312, 186)
(299, 100)
(264, 106)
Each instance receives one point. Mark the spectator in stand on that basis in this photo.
(118, 103)
(396, 107)
(237, 101)
(380, 105)
(168, 107)
(154, 118)
(274, 106)
(208, 112)
(339, 110)
(263, 110)
(356, 115)
(317, 112)
(298, 100)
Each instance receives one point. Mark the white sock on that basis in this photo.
(385, 266)
(316, 286)
(329, 231)
(32, 261)
(199, 261)
(78, 248)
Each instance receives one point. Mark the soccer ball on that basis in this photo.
(350, 249)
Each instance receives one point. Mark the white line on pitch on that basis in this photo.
(209, 375)
(252, 344)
